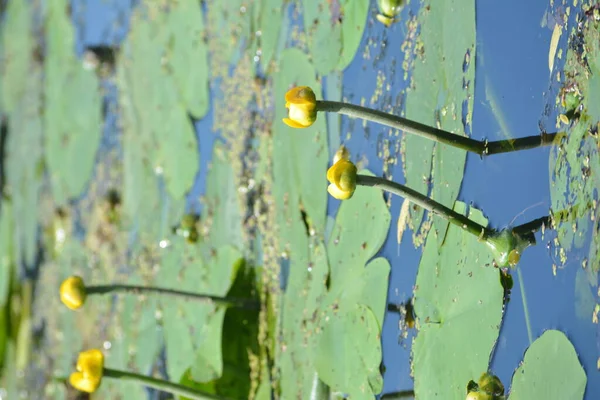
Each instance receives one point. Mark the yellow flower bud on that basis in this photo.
(302, 107)
(342, 179)
(389, 9)
(478, 396)
(72, 292)
(342, 153)
(90, 367)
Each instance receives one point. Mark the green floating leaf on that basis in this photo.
(448, 37)
(300, 156)
(240, 331)
(16, 48)
(324, 34)
(268, 22)
(222, 212)
(159, 93)
(24, 179)
(348, 353)
(360, 229)
(228, 24)
(305, 288)
(135, 339)
(353, 25)
(193, 328)
(73, 108)
(550, 370)
(351, 244)
(458, 300)
(188, 55)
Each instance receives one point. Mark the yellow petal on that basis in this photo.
(331, 173)
(79, 382)
(292, 123)
(337, 193)
(91, 363)
(72, 292)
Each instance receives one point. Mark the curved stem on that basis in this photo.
(224, 301)
(462, 142)
(480, 231)
(159, 384)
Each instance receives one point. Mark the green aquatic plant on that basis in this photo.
(489, 387)
(302, 118)
(90, 371)
(506, 245)
(74, 292)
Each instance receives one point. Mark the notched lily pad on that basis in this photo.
(73, 108)
(458, 302)
(440, 102)
(550, 370)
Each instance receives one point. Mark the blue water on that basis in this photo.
(512, 55)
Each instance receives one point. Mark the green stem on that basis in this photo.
(159, 384)
(533, 226)
(224, 301)
(462, 142)
(525, 308)
(480, 231)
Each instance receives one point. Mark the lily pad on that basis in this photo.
(305, 288)
(16, 48)
(458, 300)
(135, 340)
(352, 241)
(187, 55)
(550, 370)
(222, 211)
(353, 25)
(351, 305)
(194, 328)
(73, 108)
(268, 22)
(157, 92)
(300, 156)
(228, 29)
(348, 353)
(24, 142)
(322, 25)
(446, 52)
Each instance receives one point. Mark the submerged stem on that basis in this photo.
(452, 139)
(225, 301)
(159, 384)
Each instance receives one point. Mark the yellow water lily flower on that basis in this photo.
(342, 176)
(72, 292)
(90, 367)
(302, 107)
